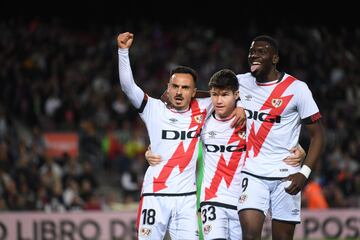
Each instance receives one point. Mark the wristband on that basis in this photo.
(305, 170)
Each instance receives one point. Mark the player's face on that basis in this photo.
(224, 101)
(181, 89)
(261, 58)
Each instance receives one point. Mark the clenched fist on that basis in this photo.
(125, 40)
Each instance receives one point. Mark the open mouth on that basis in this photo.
(178, 100)
(219, 107)
(255, 66)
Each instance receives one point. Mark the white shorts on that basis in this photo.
(220, 222)
(176, 214)
(264, 195)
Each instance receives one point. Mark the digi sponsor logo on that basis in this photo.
(212, 148)
(262, 116)
(242, 198)
(174, 135)
(276, 102)
(145, 232)
(207, 229)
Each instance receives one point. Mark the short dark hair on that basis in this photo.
(224, 79)
(184, 69)
(265, 38)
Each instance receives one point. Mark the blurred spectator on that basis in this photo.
(314, 196)
(71, 195)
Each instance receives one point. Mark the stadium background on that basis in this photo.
(59, 74)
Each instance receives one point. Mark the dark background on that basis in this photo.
(223, 15)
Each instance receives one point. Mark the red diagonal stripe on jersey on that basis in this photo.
(224, 170)
(256, 140)
(181, 157)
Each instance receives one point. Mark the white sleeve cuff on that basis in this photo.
(123, 51)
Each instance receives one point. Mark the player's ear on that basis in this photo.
(194, 93)
(236, 94)
(275, 59)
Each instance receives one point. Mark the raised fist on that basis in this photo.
(125, 40)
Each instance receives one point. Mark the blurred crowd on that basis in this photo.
(56, 77)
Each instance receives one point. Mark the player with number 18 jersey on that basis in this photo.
(168, 197)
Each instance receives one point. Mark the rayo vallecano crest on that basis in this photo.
(242, 134)
(198, 118)
(276, 102)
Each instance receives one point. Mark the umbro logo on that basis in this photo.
(248, 97)
(173, 120)
(212, 134)
(295, 212)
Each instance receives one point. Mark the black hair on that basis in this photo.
(224, 79)
(273, 43)
(184, 69)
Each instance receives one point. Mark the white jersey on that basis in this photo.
(275, 111)
(223, 153)
(173, 135)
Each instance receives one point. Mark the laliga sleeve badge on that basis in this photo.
(207, 229)
(242, 198)
(145, 232)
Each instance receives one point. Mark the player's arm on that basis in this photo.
(239, 112)
(128, 85)
(317, 142)
(202, 94)
(239, 116)
(310, 117)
